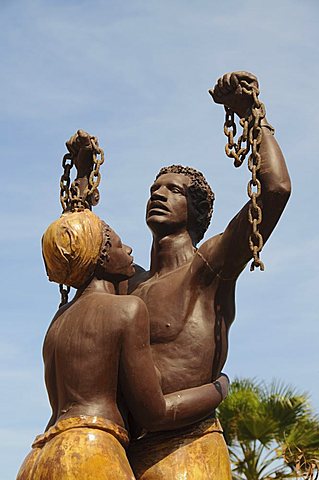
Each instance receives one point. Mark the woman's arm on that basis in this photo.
(141, 388)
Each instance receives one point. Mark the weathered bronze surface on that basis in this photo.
(109, 357)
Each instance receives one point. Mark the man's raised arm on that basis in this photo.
(230, 250)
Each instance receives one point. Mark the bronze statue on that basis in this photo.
(99, 367)
(97, 355)
(190, 292)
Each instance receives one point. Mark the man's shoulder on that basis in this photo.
(211, 244)
(140, 276)
(209, 257)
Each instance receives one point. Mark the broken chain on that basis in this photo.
(249, 141)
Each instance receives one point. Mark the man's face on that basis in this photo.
(167, 207)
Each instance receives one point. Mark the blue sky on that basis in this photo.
(136, 74)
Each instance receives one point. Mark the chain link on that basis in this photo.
(64, 292)
(95, 176)
(234, 149)
(77, 202)
(249, 142)
(67, 164)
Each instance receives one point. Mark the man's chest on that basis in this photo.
(175, 307)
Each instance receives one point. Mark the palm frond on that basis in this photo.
(271, 431)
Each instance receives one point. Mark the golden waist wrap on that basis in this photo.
(79, 448)
(198, 452)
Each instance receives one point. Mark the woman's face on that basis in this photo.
(119, 262)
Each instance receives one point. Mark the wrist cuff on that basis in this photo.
(267, 125)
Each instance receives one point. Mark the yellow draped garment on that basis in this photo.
(79, 448)
(198, 452)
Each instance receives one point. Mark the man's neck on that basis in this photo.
(170, 252)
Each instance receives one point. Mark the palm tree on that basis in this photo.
(271, 432)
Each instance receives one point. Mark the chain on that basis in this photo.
(67, 164)
(64, 294)
(251, 138)
(234, 149)
(95, 176)
(90, 196)
(70, 196)
(77, 202)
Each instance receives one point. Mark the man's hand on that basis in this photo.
(229, 91)
(79, 140)
(81, 147)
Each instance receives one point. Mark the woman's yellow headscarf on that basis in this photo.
(71, 247)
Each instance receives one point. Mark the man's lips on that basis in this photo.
(157, 206)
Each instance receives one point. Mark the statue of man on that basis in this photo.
(190, 291)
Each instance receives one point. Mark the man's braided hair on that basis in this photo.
(202, 197)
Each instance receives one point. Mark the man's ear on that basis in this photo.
(201, 211)
(202, 207)
(196, 216)
(198, 212)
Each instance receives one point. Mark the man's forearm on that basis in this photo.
(273, 172)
